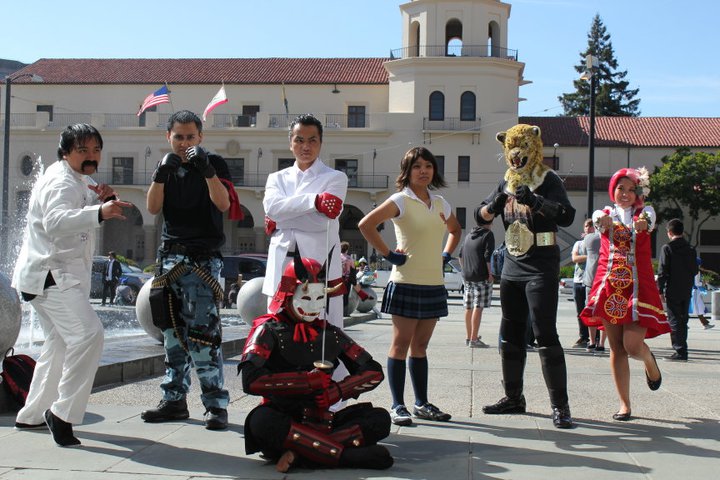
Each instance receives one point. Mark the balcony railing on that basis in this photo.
(452, 123)
(20, 120)
(121, 120)
(329, 121)
(62, 120)
(453, 51)
(250, 180)
(227, 120)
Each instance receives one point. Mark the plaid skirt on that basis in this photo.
(415, 301)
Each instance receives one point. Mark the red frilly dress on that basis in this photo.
(624, 288)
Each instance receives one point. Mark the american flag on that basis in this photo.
(161, 95)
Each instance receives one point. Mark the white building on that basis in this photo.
(452, 85)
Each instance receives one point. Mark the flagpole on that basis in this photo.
(172, 107)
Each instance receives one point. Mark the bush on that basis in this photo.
(567, 271)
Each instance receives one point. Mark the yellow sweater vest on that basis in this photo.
(419, 233)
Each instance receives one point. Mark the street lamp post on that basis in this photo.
(6, 166)
(590, 74)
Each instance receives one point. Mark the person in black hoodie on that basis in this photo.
(475, 255)
(676, 272)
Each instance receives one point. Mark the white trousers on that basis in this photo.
(69, 358)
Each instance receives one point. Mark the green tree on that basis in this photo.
(687, 186)
(612, 98)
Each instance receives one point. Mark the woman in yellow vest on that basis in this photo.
(415, 295)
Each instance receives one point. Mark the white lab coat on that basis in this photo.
(59, 238)
(290, 202)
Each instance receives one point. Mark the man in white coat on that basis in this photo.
(53, 273)
(302, 203)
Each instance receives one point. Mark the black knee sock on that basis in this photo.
(418, 367)
(396, 380)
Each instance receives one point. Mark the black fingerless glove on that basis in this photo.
(167, 166)
(198, 159)
(497, 204)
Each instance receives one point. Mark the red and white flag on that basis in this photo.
(217, 100)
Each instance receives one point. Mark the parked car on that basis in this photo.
(133, 277)
(566, 286)
(249, 265)
(451, 273)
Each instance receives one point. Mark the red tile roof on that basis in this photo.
(694, 132)
(348, 71)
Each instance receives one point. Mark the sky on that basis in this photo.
(668, 48)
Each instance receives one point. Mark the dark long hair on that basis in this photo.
(406, 164)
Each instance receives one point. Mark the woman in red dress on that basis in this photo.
(624, 300)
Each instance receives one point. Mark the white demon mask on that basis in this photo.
(308, 302)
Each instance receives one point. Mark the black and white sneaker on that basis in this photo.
(399, 415)
(431, 412)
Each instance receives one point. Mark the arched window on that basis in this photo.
(467, 106)
(437, 106)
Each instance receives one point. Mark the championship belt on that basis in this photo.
(518, 238)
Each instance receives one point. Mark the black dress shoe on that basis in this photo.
(622, 417)
(676, 357)
(653, 384)
(30, 426)
(561, 417)
(62, 431)
(506, 405)
(216, 419)
(167, 411)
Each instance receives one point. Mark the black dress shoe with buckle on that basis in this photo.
(506, 405)
(676, 357)
(654, 384)
(216, 418)
(62, 431)
(167, 411)
(561, 417)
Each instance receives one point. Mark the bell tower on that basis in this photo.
(455, 62)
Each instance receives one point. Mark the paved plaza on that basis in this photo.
(675, 432)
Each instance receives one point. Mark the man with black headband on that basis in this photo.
(53, 273)
(192, 188)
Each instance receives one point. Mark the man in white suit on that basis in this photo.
(53, 273)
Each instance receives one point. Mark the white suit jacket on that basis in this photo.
(290, 201)
(60, 232)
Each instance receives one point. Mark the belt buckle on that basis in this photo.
(518, 238)
(545, 239)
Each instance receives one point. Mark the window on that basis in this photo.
(122, 170)
(236, 166)
(142, 115)
(437, 106)
(250, 111)
(440, 159)
(356, 116)
(349, 167)
(463, 168)
(461, 214)
(467, 106)
(45, 108)
(285, 163)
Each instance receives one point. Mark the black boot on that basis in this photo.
(166, 411)
(552, 360)
(513, 368)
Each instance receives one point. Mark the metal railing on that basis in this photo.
(250, 180)
(62, 120)
(19, 120)
(451, 123)
(329, 121)
(228, 120)
(121, 120)
(453, 51)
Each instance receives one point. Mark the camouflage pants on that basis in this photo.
(200, 334)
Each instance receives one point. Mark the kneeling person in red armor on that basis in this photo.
(293, 424)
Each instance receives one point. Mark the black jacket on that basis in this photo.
(475, 254)
(677, 269)
(116, 273)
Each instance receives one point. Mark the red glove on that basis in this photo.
(270, 226)
(329, 396)
(318, 379)
(328, 204)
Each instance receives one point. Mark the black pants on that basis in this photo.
(579, 296)
(267, 428)
(109, 288)
(678, 318)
